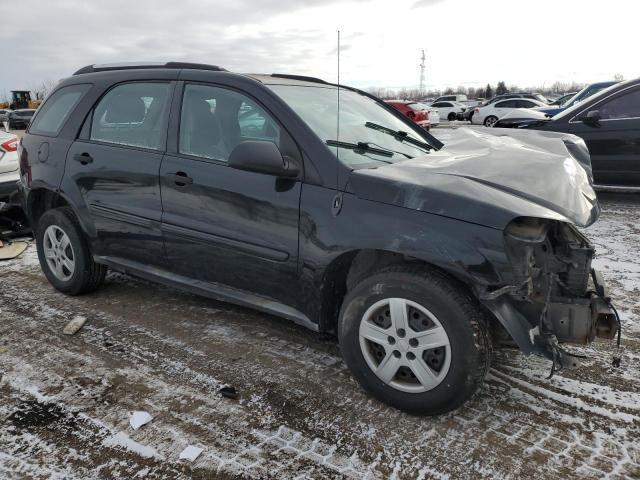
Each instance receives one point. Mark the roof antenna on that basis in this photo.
(337, 200)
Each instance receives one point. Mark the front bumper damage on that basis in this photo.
(556, 297)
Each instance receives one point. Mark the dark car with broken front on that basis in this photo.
(609, 124)
(323, 205)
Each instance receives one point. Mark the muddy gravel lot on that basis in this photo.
(65, 401)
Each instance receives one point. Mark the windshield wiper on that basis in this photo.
(361, 148)
(402, 136)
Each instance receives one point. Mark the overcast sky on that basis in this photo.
(467, 42)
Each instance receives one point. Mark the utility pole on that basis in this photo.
(422, 59)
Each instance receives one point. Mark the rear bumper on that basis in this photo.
(8, 185)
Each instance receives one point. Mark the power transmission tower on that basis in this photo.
(422, 59)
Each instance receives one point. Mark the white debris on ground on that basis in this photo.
(139, 418)
(191, 453)
(74, 325)
(66, 402)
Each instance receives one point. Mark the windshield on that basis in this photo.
(415, 106)
(317, 106)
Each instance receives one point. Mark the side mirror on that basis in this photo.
(262, 157)
(592, 117)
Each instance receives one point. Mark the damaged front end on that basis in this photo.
(556, 297)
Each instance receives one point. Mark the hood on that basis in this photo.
(533, 113)
(484, 176)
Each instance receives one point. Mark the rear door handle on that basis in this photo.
(181, 178)
(83, 158)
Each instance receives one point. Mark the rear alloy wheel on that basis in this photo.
(64, 253)
(58, 253)
(415, 339)
(490, 121)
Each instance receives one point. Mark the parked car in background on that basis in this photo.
(19, 119)
(433, 113)
(8, 164)
(533, 96)
(458, 241)
(451, 98)
(609, 124)
(562, 99)
(489, 114)
(414, 110)
(583, 94)
(471, 108)
(450, 110)
(4, 115)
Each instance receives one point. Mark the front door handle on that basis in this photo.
(181, 179)
(83, 158)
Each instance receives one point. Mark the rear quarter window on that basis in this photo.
(56, 109)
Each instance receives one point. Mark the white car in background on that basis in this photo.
(488, 115)
(8, 164)
(450, 110)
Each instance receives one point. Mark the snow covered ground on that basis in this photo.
(65, 401)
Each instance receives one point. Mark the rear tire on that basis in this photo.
(437, 311)
(490, 121)
(64, 253)
(451, 117)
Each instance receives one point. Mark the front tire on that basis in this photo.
(451, 117)
(414, 339)
(64, 253)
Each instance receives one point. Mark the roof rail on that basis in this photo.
(302, 78)
(142, 65)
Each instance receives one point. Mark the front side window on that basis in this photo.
(133, 114)
(623, 106)
(215, 120)
(317, 107)
(56, 109)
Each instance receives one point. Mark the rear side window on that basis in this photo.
(133, 114)
(526, 104)
(56, 109)
(506, 104)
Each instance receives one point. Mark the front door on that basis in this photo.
(222, 225)
(113, 171)
(614, 141)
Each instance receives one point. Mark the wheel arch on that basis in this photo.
(346, 270)
(42, 199)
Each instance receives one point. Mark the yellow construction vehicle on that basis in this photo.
(20, 99)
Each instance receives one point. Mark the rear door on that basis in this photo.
(113, 169)
(503, 107)
(614, 142)
(222, 225)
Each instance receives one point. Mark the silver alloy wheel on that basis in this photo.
(405, 345)
(58, 252)
(490, 122)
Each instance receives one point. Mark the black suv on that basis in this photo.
(254, 190)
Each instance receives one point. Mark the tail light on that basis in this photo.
(476, 110)
(10, 145)
(25, 167)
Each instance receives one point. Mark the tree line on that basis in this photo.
(554, 90)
